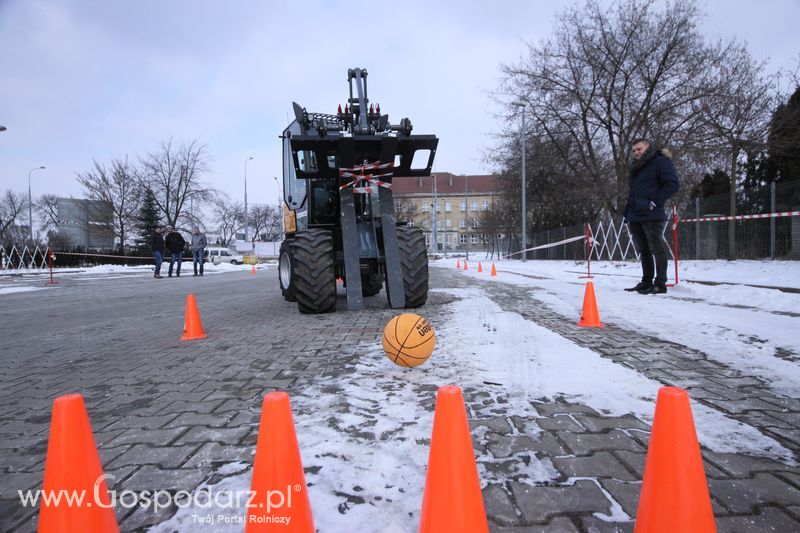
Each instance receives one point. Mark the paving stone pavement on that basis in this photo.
(168, 414)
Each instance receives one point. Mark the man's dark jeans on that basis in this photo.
(159, 257)
(648, 238)
(175, 257)
(197, 257)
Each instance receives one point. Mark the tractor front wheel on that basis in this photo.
(313, 274)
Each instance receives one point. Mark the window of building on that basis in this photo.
(463, 205)
(462, 238)
(475, 223)
(474, 238)
(485, 205)
(448, 223)
(426, 207)
(473, 205)
(448, 207)
(462, 223)
(427, 239)
(447, 238)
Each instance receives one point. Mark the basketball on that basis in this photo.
(408, 340)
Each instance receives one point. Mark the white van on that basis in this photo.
(218, 254)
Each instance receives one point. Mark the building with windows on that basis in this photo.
(460, 199)
(87, 224)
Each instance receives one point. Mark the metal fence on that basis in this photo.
(700, 235)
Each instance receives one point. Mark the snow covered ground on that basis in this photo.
(364, 433)
(750, 328)
(340, 419)
(26, 280)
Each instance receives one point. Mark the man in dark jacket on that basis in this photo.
(175, 244)
(651, 182)
(157, 247)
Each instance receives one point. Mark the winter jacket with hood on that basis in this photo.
(652, 180)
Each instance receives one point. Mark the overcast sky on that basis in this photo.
(102, 79)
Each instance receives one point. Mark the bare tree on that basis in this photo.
(118, 188)
(405, 210)
(738, 116)
(264, 219)
(611, 74)
(174, 174)
(47, 209)
(229, 217)
(11, 207)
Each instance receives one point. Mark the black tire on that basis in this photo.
(314, 276)
(234, 262)
(371, 283)
(414, 264)
(286, 272)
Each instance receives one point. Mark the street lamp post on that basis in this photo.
(466, 216)
(245, 197)
(435, 217)
(280, 205)
(521, 105)
(30, 201)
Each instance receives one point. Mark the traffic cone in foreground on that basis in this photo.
(480, 268)
(674, 493)
(465, 265)
(590, 318)
(192, 327)
(452, 500)
(458, 264)
(253, 270)
(73, 467)
(278, 486)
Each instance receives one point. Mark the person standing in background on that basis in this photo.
(157, 247)
(175, 244)
(199, 243)
(652, 180)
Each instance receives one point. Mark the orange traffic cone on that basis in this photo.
(73, 467)
(458, 263)
(339, 280)
(278, 484)
(590, 318)
(253, 270)
(674, 493)
(192, 327)
(452, 499)
(480, 268)
(494, 270)
(465, 265)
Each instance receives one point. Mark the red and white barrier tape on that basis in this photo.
(149, 258)
(550, 245)
(358, 174)
(743, 217)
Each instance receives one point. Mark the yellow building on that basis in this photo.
(461, 200)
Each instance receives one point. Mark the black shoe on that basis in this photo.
(194, 275)
(655, 289)
(177, 275)
(641, 286)
(158, 276)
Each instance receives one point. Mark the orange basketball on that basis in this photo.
(408, 340)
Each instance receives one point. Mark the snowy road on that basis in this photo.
(560, 415)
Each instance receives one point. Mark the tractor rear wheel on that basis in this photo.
(371, 283)
(285, 272)
(414, 265)
(313, 275)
